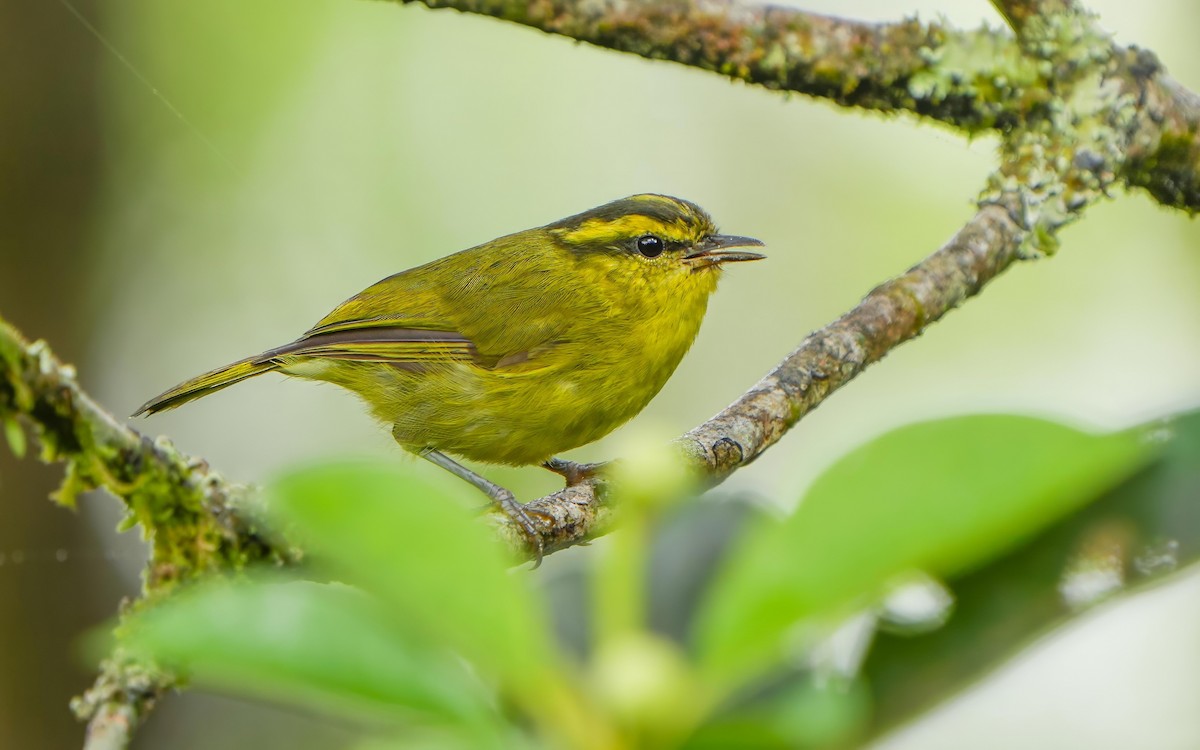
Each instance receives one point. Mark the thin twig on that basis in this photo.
(111, 728)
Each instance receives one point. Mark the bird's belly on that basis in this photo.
(495, 416)
(524, 419)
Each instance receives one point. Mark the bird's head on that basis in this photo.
(653, 237)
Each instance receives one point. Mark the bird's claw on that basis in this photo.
(516, 511)
(572, 471)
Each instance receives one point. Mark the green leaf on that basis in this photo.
(1140, 532)
(15, 436)
(809, 714)
(940, 497)
(325, 646)
(415, 544)
(448, 741)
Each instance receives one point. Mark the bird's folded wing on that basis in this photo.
(389, 344)
(404, 320)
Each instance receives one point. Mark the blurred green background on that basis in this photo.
(211, 178)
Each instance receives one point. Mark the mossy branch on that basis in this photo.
(188, 512)
(974, 81)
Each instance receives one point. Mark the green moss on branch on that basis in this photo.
(973, 81)
(189, 514)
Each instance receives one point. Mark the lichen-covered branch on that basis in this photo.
(974, 80)
(1164, 155)
(891, 314)
(188, 512)
(1054, 166)
(1159, 150)
(971, 80)
(112, 722)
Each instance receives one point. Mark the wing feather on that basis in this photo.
(489, 305)
(389, 344)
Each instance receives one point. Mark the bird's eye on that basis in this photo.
(650, 246)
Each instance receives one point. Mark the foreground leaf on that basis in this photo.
(940, 497)
(1140, 532)
(413, 543)
(324, 646)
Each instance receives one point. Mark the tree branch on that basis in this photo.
(1164, 155)
(971, 80)
(112, 725)
(883, 67)
(891, 314)
(190, 514)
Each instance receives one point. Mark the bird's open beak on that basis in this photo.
(722, 248)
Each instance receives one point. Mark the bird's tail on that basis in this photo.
(209, 382)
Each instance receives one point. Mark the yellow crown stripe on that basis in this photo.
(595, 231)
(665, 200)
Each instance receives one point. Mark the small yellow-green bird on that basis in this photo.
(522, 347)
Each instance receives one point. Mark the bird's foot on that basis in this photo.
(573, 472)
(516, 511)
(499, 496)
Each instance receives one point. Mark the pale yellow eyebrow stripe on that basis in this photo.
(633, 225)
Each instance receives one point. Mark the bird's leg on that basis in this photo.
(572, 471)
(500, 496)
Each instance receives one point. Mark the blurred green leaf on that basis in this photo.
(801, 715)
(15, 436)
(828, 714)
(325, 646)
(742, 731)
(939, 496)
(439, 741)
(1148, 527)
(413, 543)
